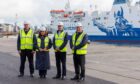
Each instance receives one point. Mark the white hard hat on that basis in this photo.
(60, 23)
(79, 24)
(42, 29)
(26, 22)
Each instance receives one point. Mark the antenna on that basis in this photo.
(96, 7)
(16, 27)
(129, 3)
(67, 6)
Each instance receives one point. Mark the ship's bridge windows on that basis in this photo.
(105, 18)
(70, 12)
(104, 23)
(98, 18)
(107, 13)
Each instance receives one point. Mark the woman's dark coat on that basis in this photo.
(42, 57)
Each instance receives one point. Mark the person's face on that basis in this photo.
(60, 27)
(79, 29)
(26, 26)
(43, 33)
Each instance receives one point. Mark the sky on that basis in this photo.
(38, 11)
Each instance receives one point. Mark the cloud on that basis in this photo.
(11, 7)
(37, 11)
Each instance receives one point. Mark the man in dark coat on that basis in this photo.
(25, 47)
(78, 44)
(59, 43)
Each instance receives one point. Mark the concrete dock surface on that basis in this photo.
(105, 64)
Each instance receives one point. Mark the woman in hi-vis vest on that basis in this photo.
(42, 52)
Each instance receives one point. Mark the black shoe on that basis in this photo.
(44, 76)
(21, 75)
(57, 77)
(81, 79)
(41, 76)
(75, 78)
(31, 75)
(63, 77)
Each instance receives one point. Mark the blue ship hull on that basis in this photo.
(113, 39)
(116, 39)
(122, 30)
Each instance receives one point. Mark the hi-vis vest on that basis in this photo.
(46, 41)
(59, 39)
(83, 50)
(26, 40)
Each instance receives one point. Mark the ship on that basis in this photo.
(120, 24)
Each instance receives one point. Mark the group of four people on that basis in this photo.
(28, 43)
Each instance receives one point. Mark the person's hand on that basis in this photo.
(19, 51)
(88, 42)
(40, 49)
(45, 49)
(33, 52)
(73, 48)
(57, 49)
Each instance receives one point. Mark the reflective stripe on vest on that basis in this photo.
(83, 50)
(46, 41)
(26, 40)
(59, 40)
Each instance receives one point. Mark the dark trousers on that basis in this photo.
(79, 65)
(29, 55)
(42, 72)
(61, 62)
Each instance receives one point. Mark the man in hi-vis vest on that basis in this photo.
(59, 43)
(25, 47)
(78, 44)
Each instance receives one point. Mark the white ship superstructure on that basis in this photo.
(123, 20)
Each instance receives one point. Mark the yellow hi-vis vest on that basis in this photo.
(83, 50)
(26, 40)
(46, 41)
(59, 39)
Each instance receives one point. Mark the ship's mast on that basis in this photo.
(16, 27)
(67, 6)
